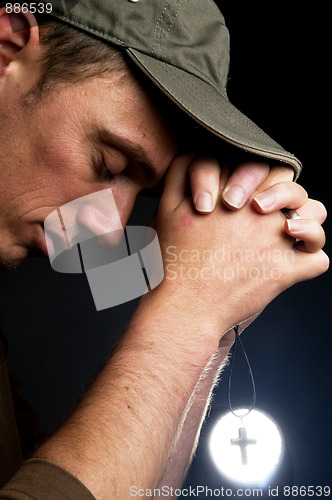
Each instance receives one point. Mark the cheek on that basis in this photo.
(60, 161)
(65, 170)
(64, 173)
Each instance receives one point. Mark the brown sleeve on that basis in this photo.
(42, 480)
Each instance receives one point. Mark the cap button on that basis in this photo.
(133, 1)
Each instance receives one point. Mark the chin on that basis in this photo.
(13, 257)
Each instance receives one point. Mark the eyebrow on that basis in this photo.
(134, 152)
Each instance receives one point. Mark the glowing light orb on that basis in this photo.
(247, 449)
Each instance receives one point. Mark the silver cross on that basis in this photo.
(242, 441)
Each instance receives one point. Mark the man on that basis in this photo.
(63, 141)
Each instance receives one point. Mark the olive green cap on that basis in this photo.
(183, 47)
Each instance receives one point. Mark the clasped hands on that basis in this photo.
(226, 260)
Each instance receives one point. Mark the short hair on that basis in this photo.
(71, 56)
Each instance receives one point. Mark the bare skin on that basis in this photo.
(53, 156)
(175, 332)
(110, 119)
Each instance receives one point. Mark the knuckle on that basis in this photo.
(290, 192)
(323, 262)
(253, 171)
(313, 209)
(206, 180)
(281, 173)
(320, 209)
(296, 190)
(314, 234)
(202, 167)
(301, 190)
(287, 188)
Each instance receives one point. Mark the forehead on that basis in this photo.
(129, 112)
(119, 109)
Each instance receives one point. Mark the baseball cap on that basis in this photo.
(183, 48)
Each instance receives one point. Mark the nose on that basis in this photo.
(119, 265)
(100, 216)
(100, 221)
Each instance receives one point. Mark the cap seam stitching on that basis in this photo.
(155, 30)
(164, 29)
(175, 14)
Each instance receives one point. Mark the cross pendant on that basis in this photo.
(242, 441)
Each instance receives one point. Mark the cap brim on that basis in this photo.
(212, 109)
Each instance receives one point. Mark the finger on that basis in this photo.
(309, 265)
(278, 196)
(243, 183)
(175, 187)
(278, 173)
(313, 209)
(309, 231)
(204, 174)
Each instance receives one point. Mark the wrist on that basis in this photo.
(171, 316)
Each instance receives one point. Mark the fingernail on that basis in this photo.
(235, 196)
(295, 225)
(204, 202)
(265, 200)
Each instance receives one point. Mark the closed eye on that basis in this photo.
(103, 172)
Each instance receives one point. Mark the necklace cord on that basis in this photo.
(238, 342)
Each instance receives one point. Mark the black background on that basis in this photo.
(57, 341)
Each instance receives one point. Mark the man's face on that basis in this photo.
(98, 134)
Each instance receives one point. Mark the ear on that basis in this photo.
(18, 33)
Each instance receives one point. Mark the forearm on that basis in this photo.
(122, 432)
(187, 437)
